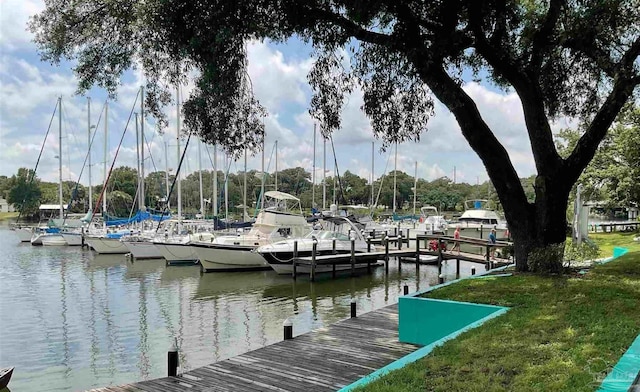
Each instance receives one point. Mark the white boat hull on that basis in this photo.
(24, 234)
(229, 258)
(73, 239)
(36, 239)
(177, 253)
(104, 245)
(53, 240)
(143, 249)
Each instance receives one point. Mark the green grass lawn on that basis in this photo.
(562, 333)
(8, 215)
(607, 241)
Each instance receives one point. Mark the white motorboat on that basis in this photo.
(279, 254)
(477, 220)
(236, 253)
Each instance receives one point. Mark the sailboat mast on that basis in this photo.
(324, 173)
(89, 147)
(60, 154)
(395, 174)
(166, 174)
(372, 160)
(226, 187)
(138, 158)
(244, 191)
(276, 184)
(106, 148)
(215, 180)
(200, 176)
(313, 173)
(262, 175)
(142, 203)
(415, 188)
(178, 156)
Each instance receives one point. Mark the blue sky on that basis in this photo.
(29, 89)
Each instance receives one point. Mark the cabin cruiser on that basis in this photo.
(477, 220)
(279, 254)
(236, 253)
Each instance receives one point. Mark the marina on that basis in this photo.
(94, 320)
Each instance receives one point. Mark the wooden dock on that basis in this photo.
(325, 359)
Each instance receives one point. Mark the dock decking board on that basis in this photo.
(325, 359)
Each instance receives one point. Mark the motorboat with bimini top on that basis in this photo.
(477, 220)
(277, 221)
(279, 254)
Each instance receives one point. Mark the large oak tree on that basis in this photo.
(562, 57)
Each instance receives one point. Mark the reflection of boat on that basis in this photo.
(105, 261)
(215, 285)
(236, 253)
(169, 275)
(140, 269)
(279, 254)
(5, 376)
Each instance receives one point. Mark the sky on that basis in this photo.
(29, 89)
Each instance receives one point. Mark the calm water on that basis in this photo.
(73, 320)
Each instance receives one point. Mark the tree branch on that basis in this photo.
(541, 38)
(353, 29)
(477, 132)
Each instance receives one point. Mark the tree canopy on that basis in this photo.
(562, 57)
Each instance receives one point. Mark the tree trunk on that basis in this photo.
(539, 230)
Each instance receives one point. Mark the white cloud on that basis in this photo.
(14, 15)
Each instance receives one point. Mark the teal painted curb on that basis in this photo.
(625, 371)
(617, 252)
(418, 354)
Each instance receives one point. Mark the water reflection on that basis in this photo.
(96, 320)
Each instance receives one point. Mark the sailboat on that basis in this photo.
(54, 237)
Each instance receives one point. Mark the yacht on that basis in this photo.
(279, 254)
(273, 223)
(477, 220)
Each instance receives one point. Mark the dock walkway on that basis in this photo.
(324, 359)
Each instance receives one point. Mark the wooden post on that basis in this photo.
(353, 257)
(417, 252)
(399, 238)
(473, 271)
(386, 254)
(481, 231)
(408, 238)
(353, 308)
(487, 258)
(406, 289)
(373, 233)
(333, 247)
(82, 236)
(172, 360)
(313, 260)
(457, 268)
(440, 258)
(288, 329)
(294, 272)
(368, 244)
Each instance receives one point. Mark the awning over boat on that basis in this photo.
(280, 195)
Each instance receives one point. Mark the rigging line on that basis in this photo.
(335, 161)
(32, 175)
(104, 187)
(381, 182)
(264, 179)
(93, 137)
(164, 209)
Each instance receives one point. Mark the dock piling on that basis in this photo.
(417, 253)
(172, 360)
(353, 256)
(288, 329)
(386, 254)
(353, 308)
(313, 259)
(295, 257)
(473, 271)
(406, 289)
(457, 268)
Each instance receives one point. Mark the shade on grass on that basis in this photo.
(563, 333)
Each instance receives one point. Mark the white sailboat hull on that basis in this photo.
(106, 245)
(73, 239)
(229, 258)
(53, 240)
(177, 253)
(143, 249)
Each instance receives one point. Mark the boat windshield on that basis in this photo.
(328, 235)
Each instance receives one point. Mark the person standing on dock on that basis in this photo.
(492, 241)
(456, 236)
